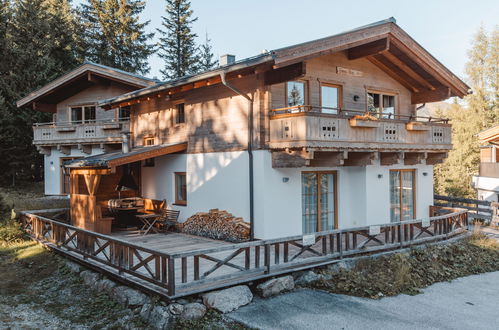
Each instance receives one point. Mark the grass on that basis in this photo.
(409, 272)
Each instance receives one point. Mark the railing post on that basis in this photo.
(171, 276)
(267, 258)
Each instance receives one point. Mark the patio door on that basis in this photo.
(319, 201)
(402, 195)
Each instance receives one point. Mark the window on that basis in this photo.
(124, 113)
(149, 141)
(180, 113)
(381, 105)
(402, 195)
(180, 188)
(84, 114)
(295, 93)
(330, 98)
(318, 201)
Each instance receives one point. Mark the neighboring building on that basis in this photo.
(305, 138)
(487, 181)
(79, 126)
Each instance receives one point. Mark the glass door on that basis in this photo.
(318, 201)
(402, 195)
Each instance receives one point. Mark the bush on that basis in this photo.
(4, 209)
(10, 232)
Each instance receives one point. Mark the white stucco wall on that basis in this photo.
(52, 167)
(220, 180)
(487, 188)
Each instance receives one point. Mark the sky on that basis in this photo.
(246, 27)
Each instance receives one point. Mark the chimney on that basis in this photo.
(125, 145)
(227, 59)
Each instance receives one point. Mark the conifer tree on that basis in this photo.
(206, 61)
(114, 35)
(177, 45)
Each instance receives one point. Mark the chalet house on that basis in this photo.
(487, 181)
(297, 140)
(79, 126)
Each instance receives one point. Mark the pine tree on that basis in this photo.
(177, 44)
(479, 112)
(206, 61)
(114, 35)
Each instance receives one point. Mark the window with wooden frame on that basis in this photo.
(179, 113)
(319, 201)
(402, 195)
(124, 113)
(331, 98)
(381, 104)
(82, 114)
(296, 93)
(180, 188)
(149, 141)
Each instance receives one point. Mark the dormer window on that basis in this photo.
(381, 105)
(83, 114)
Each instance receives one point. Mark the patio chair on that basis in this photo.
(167, 218)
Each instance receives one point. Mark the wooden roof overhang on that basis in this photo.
(391, 49)
(105, 162)
(490, 135)
(46, 98)
(383, 43)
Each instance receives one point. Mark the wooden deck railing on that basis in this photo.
(478, 209)
(180, 274)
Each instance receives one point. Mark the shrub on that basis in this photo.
(10, 232)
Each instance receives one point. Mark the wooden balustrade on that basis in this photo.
(180, 274)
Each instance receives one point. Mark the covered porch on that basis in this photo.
(105, 190)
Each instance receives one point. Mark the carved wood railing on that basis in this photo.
(180, 274)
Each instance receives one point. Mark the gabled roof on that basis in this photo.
(490, 135)
(82, 77)
(383, 43)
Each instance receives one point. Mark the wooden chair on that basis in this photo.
(167, 218)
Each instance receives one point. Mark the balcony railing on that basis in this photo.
(309, 126)
(490, 170)
(92, 131)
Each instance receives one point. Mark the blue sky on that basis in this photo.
(245, 28)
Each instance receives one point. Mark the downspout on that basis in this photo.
(250, 151)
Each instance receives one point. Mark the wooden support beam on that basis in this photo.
(393, 74)
(414, 158)
(92, 181)
(391, 158)
(328, 158)
(433, 158)
(43, 107)
(361, 158)
(64, 149)
(44, 150)
(404, 67)
(294, 158)
(371, 48)
(436, 95)
(85, 148)
(95, 79)
(283, 74)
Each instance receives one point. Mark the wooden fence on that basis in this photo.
(181, 274)
(478, 209)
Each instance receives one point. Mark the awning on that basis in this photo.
(113, 159)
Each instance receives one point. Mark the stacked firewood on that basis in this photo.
(217, 224)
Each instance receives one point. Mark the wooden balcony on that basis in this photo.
(69, 133)
(490, 170)
(309, 127)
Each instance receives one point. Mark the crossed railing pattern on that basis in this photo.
(194, 271)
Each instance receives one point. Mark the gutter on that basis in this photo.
(250, 151)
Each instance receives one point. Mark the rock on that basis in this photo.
(74, 267)
(183, 301)
(275, 286)
(193, 311)
(337, 267)
(158, 317)
(105, 285)
(229, 299)
(307, 278)
(89, 277)
(176, 309)
(129, 296)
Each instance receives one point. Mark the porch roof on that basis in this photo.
(113, 159)
(490, 135)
